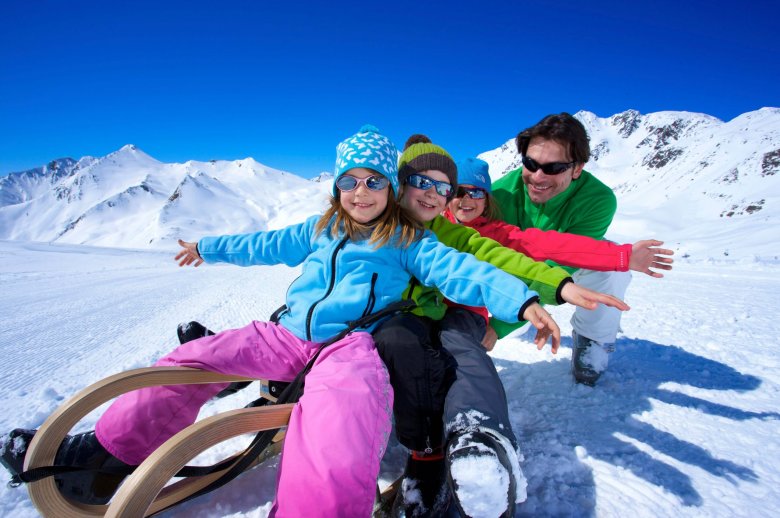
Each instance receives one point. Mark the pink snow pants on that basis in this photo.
(337, 433)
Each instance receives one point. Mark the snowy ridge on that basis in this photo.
(128, 199)
(709, 188)
(26, 185)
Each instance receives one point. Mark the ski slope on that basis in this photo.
(686, 422)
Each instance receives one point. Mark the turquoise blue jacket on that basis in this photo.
(343, 280)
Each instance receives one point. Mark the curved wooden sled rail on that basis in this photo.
(44, 493)
(139, 491)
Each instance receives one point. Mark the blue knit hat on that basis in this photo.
(370, 149)
(474, 171)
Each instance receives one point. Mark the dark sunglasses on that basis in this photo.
(348, 183)
(551, 168)
(475, 193)
(419, 181)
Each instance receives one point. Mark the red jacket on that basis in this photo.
(566, 249)
(542, 245)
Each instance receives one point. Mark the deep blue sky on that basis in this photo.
(285, 81)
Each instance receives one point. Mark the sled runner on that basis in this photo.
(137, 496)
(51, 503)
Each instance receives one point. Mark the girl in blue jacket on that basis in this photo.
(356, 259)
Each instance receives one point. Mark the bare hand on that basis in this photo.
(189, 254)
(644, 257)
(490, 339)
(545, 326)
(589, 299)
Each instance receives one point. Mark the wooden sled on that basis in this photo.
(144, 492)
(134, 497)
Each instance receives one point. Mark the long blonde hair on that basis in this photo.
(380, 232)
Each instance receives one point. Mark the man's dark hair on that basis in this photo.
(563, 129)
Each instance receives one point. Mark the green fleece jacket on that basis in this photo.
(545, 280)
(585, 208)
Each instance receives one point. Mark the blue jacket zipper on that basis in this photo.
(331, 284)
(371, 296)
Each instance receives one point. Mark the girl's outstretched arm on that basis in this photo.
(189, 254)
(644, 256)
(545, 326)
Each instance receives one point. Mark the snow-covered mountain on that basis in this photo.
(128, 199)
(706, 186)
(27, 185)
(323, 177)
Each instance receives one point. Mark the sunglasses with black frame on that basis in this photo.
(475, 193)
(552, 168)
(422, 182)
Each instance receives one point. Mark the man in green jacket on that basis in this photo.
(552, 191)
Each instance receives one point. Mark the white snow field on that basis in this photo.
(686, 421)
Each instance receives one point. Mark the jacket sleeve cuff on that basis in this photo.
(525, 305)
(564, 282)
(624, 257)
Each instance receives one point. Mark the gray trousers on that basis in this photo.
(476, 397)
(603, 323)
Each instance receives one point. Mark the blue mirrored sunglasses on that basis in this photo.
(420, 181)
(348, 183)
(551, 168)
(475, 193)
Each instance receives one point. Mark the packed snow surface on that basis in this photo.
(685, 422)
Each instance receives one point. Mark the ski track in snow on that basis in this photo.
(686, 421)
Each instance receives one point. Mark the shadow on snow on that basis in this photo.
(560, 424)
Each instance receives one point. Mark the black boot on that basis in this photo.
(475, 461)
(232, 389)
(423, 491)
(194, 330)
(13, 448)
(589, 359)
(82, 450)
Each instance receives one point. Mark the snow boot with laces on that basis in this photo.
(589, 359)
(482, 474)
(89, 486)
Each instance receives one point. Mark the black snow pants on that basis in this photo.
(441, 375)
(421, 373)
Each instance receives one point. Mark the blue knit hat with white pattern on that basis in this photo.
(474, 171)
(370, 149)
